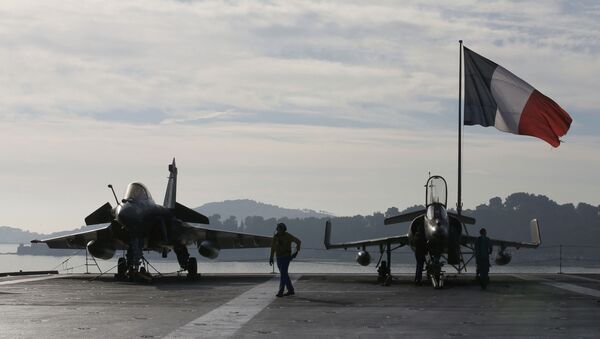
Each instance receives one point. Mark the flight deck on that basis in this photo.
(325, 306)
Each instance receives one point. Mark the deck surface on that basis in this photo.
(325, 306)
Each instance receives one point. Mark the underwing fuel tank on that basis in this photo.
(503, 257)
(208, 249)
(363, 258)
(100, 250)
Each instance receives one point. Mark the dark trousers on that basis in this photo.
(483, 275)
(283, 263)
(420, 263)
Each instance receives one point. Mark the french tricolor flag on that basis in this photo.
(496, 97)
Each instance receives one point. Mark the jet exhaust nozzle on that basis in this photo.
(503, 257)
(100, 250)
(363, 258)
(208, 249)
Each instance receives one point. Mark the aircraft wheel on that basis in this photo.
(192, 268)
(142, 270)
(121, 268)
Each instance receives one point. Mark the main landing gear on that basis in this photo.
(121, 268)
(192, 268)
(132, 270)
(186, 262)
(384, 271)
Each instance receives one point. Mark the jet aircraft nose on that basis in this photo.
(127, 214)
(437, 229)
(440, 230)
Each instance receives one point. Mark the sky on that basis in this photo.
(342, 106)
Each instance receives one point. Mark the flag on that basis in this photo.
(496, 97)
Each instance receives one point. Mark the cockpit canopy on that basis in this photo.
(436, 192)
(137, 192)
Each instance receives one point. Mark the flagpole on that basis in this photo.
(459, 199)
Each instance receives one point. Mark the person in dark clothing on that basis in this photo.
(282, 248)
(483, 249)
(420, 243)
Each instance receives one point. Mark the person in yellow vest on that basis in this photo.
(282, 248)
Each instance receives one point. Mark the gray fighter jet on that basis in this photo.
(447, 239)
(138, 224)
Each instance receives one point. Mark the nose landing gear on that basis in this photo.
(435, 273)
(139, 273)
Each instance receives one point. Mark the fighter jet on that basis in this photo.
(139, 224)
(447, 239)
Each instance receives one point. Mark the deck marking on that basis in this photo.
(565, 286)
(574, 288)
(226, 320)
(18, 281)
(582, 278)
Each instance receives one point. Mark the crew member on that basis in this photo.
(282, 248)
(420, 243)
(483, 249)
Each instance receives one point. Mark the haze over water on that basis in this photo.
(402, 263)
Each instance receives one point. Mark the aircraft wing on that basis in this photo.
(410, 216)
(223, 239)
(535, 239)
(463, 218)
(401, 239)
(79, 240)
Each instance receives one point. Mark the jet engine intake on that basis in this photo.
(101, 250)
(503, 257)
(363, 258)
(208, 249)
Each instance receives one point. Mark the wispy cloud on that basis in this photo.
(342, 106)
(127, 60)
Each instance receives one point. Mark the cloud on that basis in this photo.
(61, 167)
(343, 106)
(345, 61)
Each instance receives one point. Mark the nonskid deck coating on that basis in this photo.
(325, 306)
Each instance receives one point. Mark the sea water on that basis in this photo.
(77, 263)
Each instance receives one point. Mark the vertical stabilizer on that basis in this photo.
(171, 193)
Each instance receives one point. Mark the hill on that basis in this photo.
(243, 208)
(561, 224)
(13, 235)
(232, 212)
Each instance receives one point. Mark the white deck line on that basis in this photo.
(583, 278)
(575, 288)
(226, 320)
(18, 281)
(565, 286)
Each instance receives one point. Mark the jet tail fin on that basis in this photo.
(171, 193)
